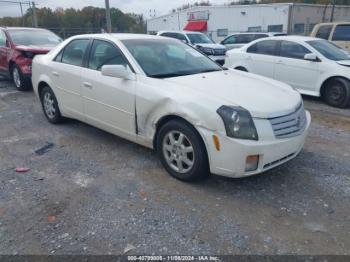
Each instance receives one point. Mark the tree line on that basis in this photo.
(67, 22)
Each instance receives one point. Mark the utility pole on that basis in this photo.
(333, 8)
(35, 19)
(108, 17)
(20, 5)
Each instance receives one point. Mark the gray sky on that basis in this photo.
(136, 6)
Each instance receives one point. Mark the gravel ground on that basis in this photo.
(89, 192)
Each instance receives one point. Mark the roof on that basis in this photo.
(335, 23)
(120, 36)
(296, 38)
(257, 33)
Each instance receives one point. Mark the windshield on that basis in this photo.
(169, 58)
(329, 50)
(199, 39)
(34, 38)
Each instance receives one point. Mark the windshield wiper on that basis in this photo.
(183, 73)
(208, 71)
(172, 75)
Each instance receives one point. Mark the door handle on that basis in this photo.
(87, 85)
(280, 62)
(249, 58)
(55, 73)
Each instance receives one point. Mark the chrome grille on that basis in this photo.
(289, 125)
(219, 51)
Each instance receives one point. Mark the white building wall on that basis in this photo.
(232, 18)
(241, 18)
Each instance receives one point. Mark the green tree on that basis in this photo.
(67, 22)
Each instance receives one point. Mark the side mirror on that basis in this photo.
(185, 41)
(311, 57)
(117, 71)
(8, 43)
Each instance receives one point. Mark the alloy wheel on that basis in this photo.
(16, 77)
(49, 105)
(178, 152)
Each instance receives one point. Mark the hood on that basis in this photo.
(262, 97)
(34, 49)
(213, 46)
(344, 62)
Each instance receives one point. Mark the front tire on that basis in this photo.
(337, 92)
(182, 151)
(21, 82)
(50, 106)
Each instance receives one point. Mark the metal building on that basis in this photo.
(220, 21)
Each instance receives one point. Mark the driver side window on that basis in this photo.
(2, 39)
(293, 50)
(231, 40)
(104, 53)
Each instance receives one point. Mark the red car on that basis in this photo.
(18, 46)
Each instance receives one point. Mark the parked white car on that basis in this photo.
(240, 39)
(202, 42)
(165, 95)
(313, 66)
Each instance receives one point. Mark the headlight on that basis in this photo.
(205, 50)
(238, 122)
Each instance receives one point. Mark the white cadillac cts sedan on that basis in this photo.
(165, 95)
(314, 66)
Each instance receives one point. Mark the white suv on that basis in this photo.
(200, 41)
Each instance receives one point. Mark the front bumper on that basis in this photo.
(230, 161)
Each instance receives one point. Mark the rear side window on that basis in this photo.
(176, 36)
(181, 37)
(267, 47)
(167, 34)
(104, 53)
(342, 33)
(2, 39)
(293, 50)
(230, 40)
(246, 38)
(324, 31)
(73, 53)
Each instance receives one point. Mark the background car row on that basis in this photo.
(313, 66)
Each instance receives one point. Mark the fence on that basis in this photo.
(68, 32)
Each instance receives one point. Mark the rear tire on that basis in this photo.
(337, 92)
(20, 81)
(182, 151)
(50, 106)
